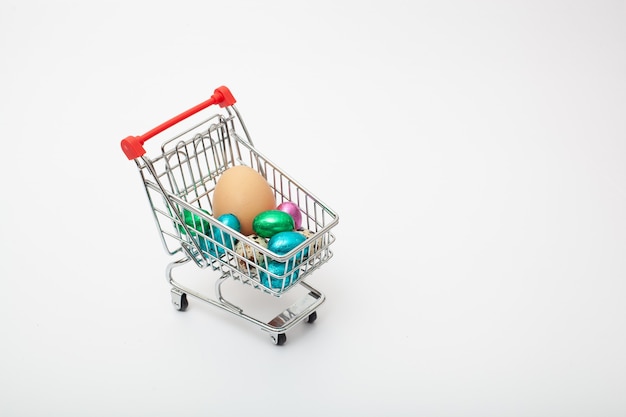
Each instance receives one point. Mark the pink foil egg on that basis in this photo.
(293, 210)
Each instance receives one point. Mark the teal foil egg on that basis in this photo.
(283, 242)
(221, 237)
(269, 222)
(276, 279)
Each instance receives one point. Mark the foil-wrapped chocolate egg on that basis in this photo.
(281, 274)
(198, 228)
(283, 242)
(220, 237)
(293, 210)
(194, 222)
(270, 222)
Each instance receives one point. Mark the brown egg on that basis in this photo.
(243, 192)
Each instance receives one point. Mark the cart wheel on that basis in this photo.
(179, 300)
(183, 302)
(312, 317)
(279, 339)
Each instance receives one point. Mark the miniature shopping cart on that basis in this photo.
(180, 180)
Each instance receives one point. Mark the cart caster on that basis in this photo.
(179, 300)
(279, 339)
(312, 317)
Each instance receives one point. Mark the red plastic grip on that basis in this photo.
(133, 145)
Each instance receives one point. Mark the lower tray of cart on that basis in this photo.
(274, 315)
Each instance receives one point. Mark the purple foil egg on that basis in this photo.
(293, 210)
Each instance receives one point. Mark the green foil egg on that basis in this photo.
(194, 222)
(270, 222)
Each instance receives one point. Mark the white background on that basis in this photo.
(474, 152)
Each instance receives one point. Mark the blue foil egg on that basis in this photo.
(276, 279)
(283, 242)
(222, 238)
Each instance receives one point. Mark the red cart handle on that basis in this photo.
(133, 145)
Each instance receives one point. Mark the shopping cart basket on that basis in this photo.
(180, 181)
